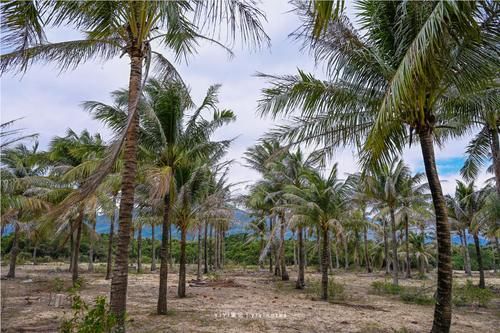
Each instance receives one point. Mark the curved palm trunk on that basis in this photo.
(442, 310)
(181, 290)
(153, 249)
(284, 273)
(367, 257)
(395, 261)
(407, 245)
(198, 271)
(119, 282)
(76, 250)
(161, 308)
(205, 250)
(300, 284)
(13, 253)
(139, 249)
(109, 265)
(324, 265)
(479, 260)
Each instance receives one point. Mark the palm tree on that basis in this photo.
(320, 200)
(11, 136)
(403, 79)
(22, 172)
(111, 29)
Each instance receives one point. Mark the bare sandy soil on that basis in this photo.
(252, 301)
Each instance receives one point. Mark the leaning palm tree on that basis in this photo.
(112, 29)
(320, 200)
(403, 80)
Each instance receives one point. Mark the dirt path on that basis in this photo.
(245, 301)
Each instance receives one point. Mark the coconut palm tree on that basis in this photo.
(22, 173)
(116, 28)
(320, 200)
(403, 80)
(9, 137)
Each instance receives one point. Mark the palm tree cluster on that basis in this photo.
(412, 72)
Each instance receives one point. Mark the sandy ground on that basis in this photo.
(255, 302)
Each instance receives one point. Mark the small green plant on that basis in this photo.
(213, 276)
(96, 319)
(336, 291)
(469, 294)
(416, 296)
(384, 287)
(58, 285)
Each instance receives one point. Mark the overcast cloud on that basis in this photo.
(50, 102)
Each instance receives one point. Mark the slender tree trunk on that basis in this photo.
(161, 308)
(271, 251)
(153, 249)
(91, 247)
(395, 261)
(407, 244)
(479, 260)
(346, 253)
(34, 254)
(356, 249)
(261, 249)
(139, 248)
(386, 248)
(109, 265)
(465, 246)
(169, 253)
(495, 153)
(305, 248)
(210, 248)
(442, 310)
(337, 261)
(222, 249)
(330, 256)
(497, 245)
(205, 250)
(71, 244)
(284, 273)
(181, 291)
(300, 284)
(216, 248)
(119, 281)
(367, 256)
(198, 271)
(13, 253)
(324, 265)
(76, 250)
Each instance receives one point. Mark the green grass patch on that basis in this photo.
(469, 294)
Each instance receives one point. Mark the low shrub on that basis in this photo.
(416, 296)
(96, 319)
(469, 294)
(336, 291)
(384, 287)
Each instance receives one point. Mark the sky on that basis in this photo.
(50, 102)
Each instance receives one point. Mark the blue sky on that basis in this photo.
(50, 102)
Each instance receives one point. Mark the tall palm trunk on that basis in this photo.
(386, 248)
(91, 247)
(181, 290)
(442, 310)
(272, 247)
(76, 250)
(109, 265)
(119, 281)
(71, 244)
(495, 153)
(330, 256)
(367, 256)
(222, 249)
(198, 271)
(210, 248)
(346, 253)
(407, 245)
(324, 265)
(161, 308)
(467, 261)
(284, 273)
(261, 249)
(216, 248)
(13, 253)
(479, 260)
(337, 260)
(300, 284)
(139, 249)
(205, 250)
(153, 249)
(395, 261)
